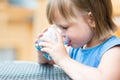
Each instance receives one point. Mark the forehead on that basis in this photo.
(59, 7)
(59, 20)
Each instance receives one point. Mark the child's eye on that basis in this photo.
(64, 27)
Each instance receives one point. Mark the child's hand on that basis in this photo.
(56, 49)
(41, 58)
(41, 34)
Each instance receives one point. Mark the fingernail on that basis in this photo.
(35, 41)
(40, 35)
(45, 30)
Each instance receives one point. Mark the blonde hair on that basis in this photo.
(100, 9)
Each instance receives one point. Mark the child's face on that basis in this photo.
(79, 32)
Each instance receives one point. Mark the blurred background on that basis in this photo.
(21, 21)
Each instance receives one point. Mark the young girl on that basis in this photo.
(94, 52)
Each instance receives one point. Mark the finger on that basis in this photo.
(44, 30)
(40, 35)
(45, 44)
(36, 41)
(47, 50)
(47, 40)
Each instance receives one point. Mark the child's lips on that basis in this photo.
(69, 43)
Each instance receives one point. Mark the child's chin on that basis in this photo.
(76, 46)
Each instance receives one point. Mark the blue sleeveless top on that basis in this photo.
(92, 56)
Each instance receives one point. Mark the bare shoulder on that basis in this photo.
(112, 55)
(110, 63)
(115, 49)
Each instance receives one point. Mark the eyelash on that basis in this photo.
(64, 28)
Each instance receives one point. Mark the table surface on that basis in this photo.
(20, 70)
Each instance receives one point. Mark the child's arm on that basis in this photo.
(109, 68)
(41, 58)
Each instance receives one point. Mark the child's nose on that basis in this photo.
(62, 32)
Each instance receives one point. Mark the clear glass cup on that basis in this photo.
(50, 33)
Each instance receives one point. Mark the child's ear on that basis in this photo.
(91, 20)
